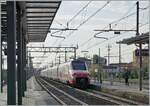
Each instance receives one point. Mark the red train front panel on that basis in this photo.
(79, 74)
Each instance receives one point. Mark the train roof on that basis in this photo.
(65, 63)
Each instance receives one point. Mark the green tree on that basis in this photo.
(95, 59)
(145, 72)
(134, 74)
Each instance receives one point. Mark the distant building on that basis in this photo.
(102, 60)
(116, 68)
(123, 66)
(144, 40)
(111, 69)
(145, 57)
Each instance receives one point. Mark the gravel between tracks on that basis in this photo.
(63, 97)
(82, 96)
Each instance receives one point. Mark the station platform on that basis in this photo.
(34, 95)
(3, 96)
(121, 87)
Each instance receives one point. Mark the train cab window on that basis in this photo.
(78, 65)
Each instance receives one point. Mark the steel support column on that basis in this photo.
(23, 73)
(120, 62)
(11, 52)
(1, 83)
(99, 70)
(140, 48)
(25, 66)
(140, 61)
(1, 68)
(19, 53)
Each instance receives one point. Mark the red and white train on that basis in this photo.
(74, 73)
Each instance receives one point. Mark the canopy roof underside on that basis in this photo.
(39, 15)
(143, 38)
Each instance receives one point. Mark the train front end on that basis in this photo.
(80, 74)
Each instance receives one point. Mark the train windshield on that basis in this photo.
(78, 65)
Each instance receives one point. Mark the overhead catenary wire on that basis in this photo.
(111, 38)
(126, 13)
(60, 24)
(72, 17)
(93, 37)
(79, 12)
(116, 21)
(129, 10)
(123, 51)
(107, 26)
(90, 17)
(94, 45)
(126, 32)
(86, 20)
(133, 13)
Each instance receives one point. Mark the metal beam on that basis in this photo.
(107, 30)
(11, 57)
(1, 66)
(45, 47)
(43, 1)
(40, 7)
(1, 83)
(52, 51)
(46, 23)
(19, 62)
(34, 26)
(25, 63)
(62, 29)
(23, 67)
(40, 16)
(140, 48)
(40, 12)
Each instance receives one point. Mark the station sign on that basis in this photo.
(145, 52)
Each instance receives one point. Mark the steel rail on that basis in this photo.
(56, 98)
(88, 93)
(80, 102)
(116, 98)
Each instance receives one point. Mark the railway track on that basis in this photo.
(122, 100)
(83, 96)
(88, 97)
(62, 97)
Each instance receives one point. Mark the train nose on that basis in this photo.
(82, 82)
(78, 74)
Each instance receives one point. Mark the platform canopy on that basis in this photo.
(143, 38)
(39, 15)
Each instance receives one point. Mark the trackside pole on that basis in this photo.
(11, 52)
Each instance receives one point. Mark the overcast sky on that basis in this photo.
(111, 12)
